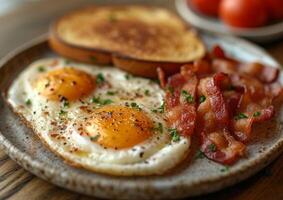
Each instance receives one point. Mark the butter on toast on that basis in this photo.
(137, 39)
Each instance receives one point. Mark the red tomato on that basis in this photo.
(208, 7)
(275, 8)
(243, 13)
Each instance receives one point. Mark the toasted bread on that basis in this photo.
(137, 39)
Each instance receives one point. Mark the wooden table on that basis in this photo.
(32, 19)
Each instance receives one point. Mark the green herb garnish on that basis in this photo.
(240, 116)
(65, 102)
(188, 97)
(41, 69)
(155, 81)
(212, 147)
(94, 138)
(159, 128)
(111, 93)
(135, 105)
(175, 137)
(225, 169)
(160, 109)
(199, 155)
(257, 114)
(62, 112)
(95, 100)
(127, 76)
(146, 92)
(28, 102)
(100, 101)
(202, 99)
(99, 78)
(106, 101)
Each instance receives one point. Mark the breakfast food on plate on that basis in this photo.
(98, 118)
(106, 120)
(220, 99)
(137, 39)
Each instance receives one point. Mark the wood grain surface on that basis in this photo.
(32, 19)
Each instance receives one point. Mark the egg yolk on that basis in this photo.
(69, 83)
(118, 127)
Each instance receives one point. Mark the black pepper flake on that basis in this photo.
(141, 154)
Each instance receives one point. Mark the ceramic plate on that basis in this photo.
(261, 34)
(197, 176)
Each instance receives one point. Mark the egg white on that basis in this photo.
(153, 156)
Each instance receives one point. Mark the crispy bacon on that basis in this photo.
(255, 106)
(217, 101)
(180, 101)
(231, 97)
(263, 73)
(221, 147)
(217, 142)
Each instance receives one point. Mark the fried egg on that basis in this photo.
(98, 118)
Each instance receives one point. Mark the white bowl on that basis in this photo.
(262, 34)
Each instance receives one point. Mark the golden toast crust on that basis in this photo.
(147, 36)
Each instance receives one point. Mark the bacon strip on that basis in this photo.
(217, 101)
(221, 147)
(217, 143)
(222, 63)
(180, 101)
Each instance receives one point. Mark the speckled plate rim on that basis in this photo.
(101, 187)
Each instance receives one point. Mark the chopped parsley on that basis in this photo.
(100, 78)
(146, 92)
(111, 93)
(212, 147)
(100, 101)
(135, 105)
(225, 169)
(92, 58)
(94, 138)
(202, 99)
(41, 69)
(159, 128)
(28, 102)
(257, 114)
(127, 76)
(199, 155)
(95, 100)
(66, 103)
(160, 109)
(175, 137)
(155, 81)
(106, 101)
(240, 116)
(62, 112)
(187, 96)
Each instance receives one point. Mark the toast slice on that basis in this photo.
(137, 39)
